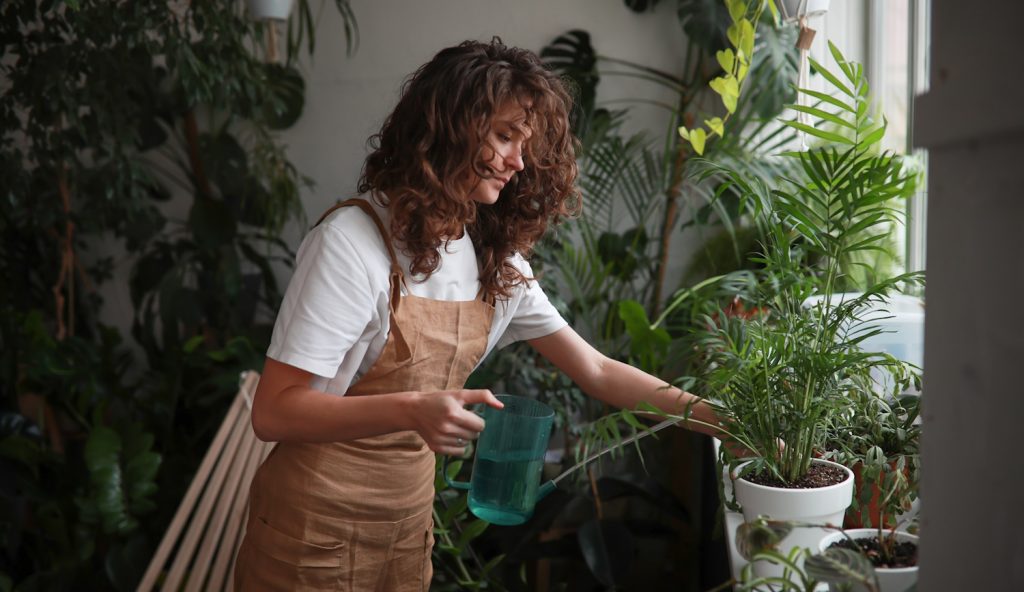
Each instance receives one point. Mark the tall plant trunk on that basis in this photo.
(669, 221)
(194, 159)
(65, 307)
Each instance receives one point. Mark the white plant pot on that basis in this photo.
(270, 9)
(810, 8)
(889, 579)
(822, 505)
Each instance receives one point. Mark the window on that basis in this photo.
(898, 48)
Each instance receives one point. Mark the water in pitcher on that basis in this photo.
(505, 486)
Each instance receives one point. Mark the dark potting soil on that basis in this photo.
(904, 554)
(817, 476)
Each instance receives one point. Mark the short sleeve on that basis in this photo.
(534, 315)
(327, 306)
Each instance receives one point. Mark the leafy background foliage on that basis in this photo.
(114, 119)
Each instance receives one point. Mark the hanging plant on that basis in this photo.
(735, 62)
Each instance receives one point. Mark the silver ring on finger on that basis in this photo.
(460, 441)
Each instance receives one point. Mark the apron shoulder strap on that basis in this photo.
(397, 277)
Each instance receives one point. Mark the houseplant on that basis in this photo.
(785, 373)
(892, 553)
(802, 570)
(878, 438)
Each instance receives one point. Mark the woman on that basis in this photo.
(394, 301)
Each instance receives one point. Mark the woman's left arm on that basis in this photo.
(618, 384)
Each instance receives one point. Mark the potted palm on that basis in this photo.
(780, 377)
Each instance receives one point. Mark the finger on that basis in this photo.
(462, 436)
(467, 423)
(451, 449)
(481, 396)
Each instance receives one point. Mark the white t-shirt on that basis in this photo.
(334, 318)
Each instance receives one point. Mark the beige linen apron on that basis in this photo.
(356, 515)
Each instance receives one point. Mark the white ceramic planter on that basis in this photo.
(823, 505)
(809, 8)
(889, 580)
(270, 9)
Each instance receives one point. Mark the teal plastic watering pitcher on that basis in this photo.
(509, 457)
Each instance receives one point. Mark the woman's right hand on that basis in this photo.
(444, 423)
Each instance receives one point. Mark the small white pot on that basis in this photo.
(889, 579)
(811, 8)
(270, 9)
(822, 505)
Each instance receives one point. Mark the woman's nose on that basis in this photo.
(514, 160)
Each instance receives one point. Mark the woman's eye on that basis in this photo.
(504, 138)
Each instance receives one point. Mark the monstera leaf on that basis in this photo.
(607, 547)
(640, 5)
(705, 22)
(572, 55)
(288, 96)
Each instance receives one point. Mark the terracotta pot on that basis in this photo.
(853, 515)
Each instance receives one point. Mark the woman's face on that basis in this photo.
(502, 152)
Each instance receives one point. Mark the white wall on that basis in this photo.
(348, 98)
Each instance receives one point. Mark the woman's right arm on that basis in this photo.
(286, 409)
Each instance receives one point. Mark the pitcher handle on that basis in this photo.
(448, 480)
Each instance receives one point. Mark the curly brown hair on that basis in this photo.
(436, 138)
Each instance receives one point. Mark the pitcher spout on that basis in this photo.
(545, 489)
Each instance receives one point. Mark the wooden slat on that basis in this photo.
(224, 497)
(228, 549)
(156, 564)
(200, 519)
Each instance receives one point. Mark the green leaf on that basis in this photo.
(831, 77)
(193, 343)
(760, 535)
(490, 565)
(821, 114)
(685, 133)
(874, 137)
(737, 9)
(284, 106)
(726, 85)
(843, 64)
(470, 532)
(827, 98)
(102, 455)
(697, 137)
(746, 44)
(646, 343)
(819, 133)
(726, 58)
(715, 125)
(733, 34)
(840, 565)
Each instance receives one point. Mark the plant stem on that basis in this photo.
(192, 136)
(671, 199)
(447, 539)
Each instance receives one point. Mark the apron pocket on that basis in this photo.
(291, 550)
